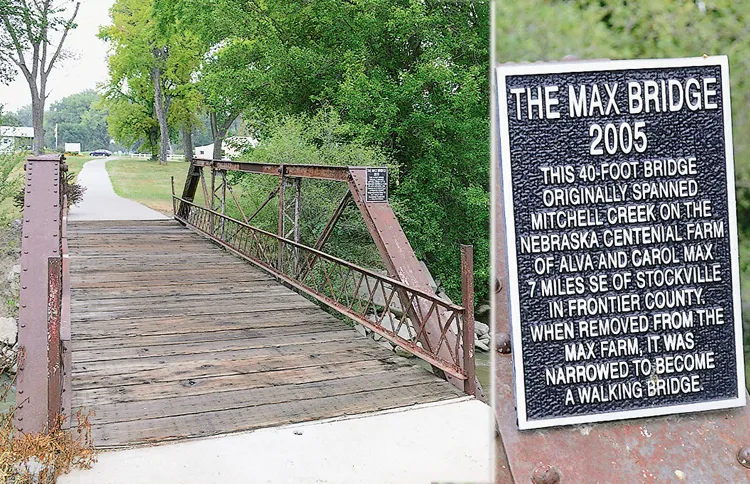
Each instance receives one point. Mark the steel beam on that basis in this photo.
(41, 241)
(402, 263)
(319, 172)
(467, 301)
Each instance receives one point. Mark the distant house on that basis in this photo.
(233, 147)
(14, 139)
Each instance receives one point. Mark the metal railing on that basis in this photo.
(388, 307)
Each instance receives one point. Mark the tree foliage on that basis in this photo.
(27, 44)
(150, 66)
(405, 78)
(80, 118)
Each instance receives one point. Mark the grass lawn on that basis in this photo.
(147, 182)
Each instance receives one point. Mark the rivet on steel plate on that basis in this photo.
(546, 475)
(503, 343)
(743, 456)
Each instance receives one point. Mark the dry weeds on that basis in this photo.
(41, 458)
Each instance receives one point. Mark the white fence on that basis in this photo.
(147, 156)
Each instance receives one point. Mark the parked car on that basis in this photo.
(101, 153)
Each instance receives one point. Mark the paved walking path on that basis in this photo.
(100, 202)
(434, 443)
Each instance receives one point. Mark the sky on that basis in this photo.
(83, 70)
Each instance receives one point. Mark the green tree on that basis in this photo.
(146, 57)
(26, 44)
(407, 77)
(80, 118)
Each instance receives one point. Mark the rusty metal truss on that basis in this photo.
(400, 307)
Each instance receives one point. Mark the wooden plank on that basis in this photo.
(199, 369)
(187, 324)
(158, 291)
(173, 281)
(259, 292)
(239, 307)
(205, 347)
(199, 386)
(261, 416)
(195, 404)
(108, 367)
(198, 337)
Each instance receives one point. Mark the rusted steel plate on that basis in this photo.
(40, 241)
(694, 447)
(54, 309)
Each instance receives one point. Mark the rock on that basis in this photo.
(385, 344)
(391, 321)
(8, 331)
(377, 298)
(444, 296)
(360, 329)
(426, 272)
(32, 468)
(481, 346)
(480, 328)
(403, 353)
(483, 309)
(14, 272)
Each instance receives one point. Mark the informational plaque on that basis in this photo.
(621, 234)
(377, 185)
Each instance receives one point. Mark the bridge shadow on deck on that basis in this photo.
(175, 338)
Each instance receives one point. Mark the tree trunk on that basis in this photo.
(218, 138)
(37, 121)
(160, 106)
(187, 140)
(153, 137)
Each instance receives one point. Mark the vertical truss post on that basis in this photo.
(191, 186)
(207, 200)
(282, 189)
(219, 195)
(297, 212)
(212, 203)
(467, 301)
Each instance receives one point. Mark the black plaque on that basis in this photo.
(377, 185)
(621, 234)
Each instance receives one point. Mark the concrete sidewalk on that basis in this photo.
(444, 442)
(100, 202)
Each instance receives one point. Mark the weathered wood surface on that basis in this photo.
(175, 338)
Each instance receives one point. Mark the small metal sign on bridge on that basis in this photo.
(377, 185)
(621, 232)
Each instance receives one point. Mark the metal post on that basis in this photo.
(467, 301)
(282, 184)
(41, 241)
(297, 211)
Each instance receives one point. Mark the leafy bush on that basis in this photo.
(71, 189)
(321, 139)
(11, 180)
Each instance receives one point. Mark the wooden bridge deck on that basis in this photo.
(175, 338)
